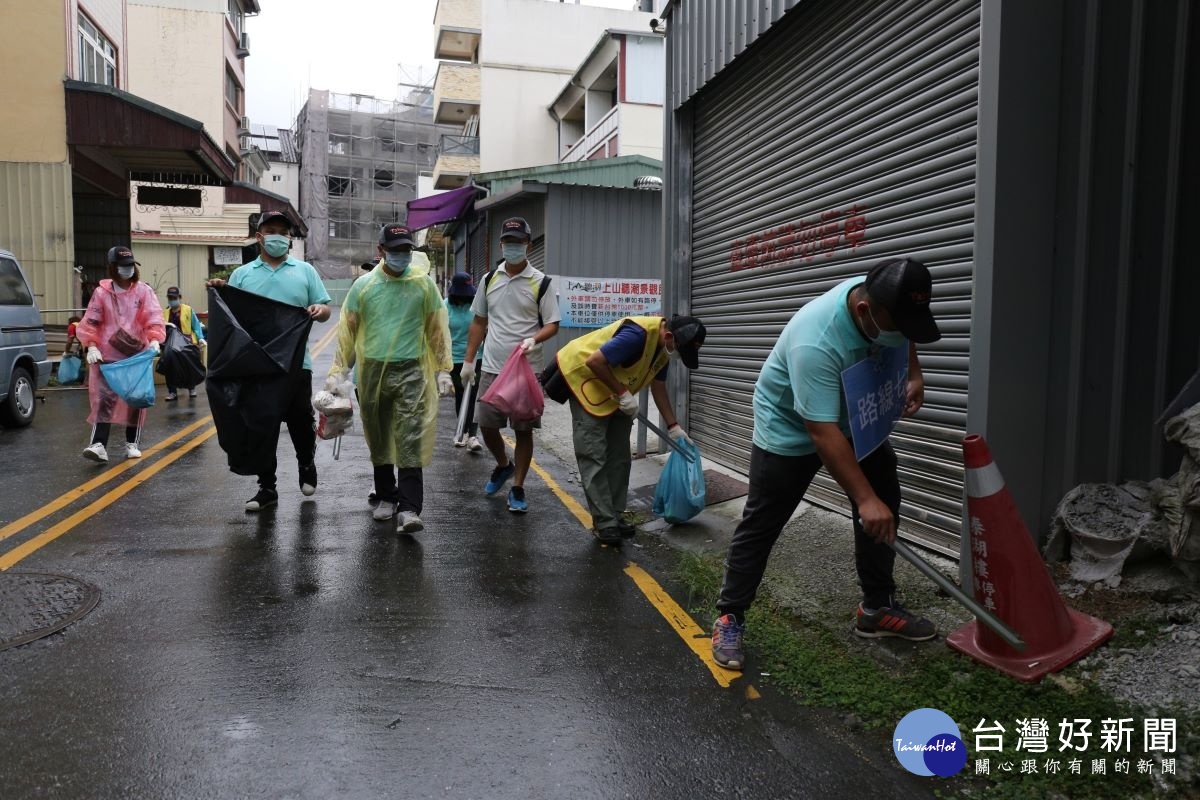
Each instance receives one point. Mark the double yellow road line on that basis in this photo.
(35, 543)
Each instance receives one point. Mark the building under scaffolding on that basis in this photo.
(360, 158)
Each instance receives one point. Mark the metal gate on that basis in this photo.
(537, 253)
(845, 135)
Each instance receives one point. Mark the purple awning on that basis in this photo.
(444, 207)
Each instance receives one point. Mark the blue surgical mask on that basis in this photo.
(514, 253)
(276, 245)
(886, 338)
(397, 262)
(173, 303)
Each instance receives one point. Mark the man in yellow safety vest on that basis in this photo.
(604, 371)
(183, 317)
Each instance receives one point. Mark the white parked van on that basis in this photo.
(24, 365)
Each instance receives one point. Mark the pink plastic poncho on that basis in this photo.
(138, 312)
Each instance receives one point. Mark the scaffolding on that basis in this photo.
(360, 159)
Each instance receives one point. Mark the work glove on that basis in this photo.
(527, 345)
(444, 384)
(467, 373)
(169, 324)
(628, 403)
(677, 434)
(155, 347)
(94, 356)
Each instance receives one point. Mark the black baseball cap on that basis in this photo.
(274, 216)
(394, 235)
(517, 228)
(121, 256)
(172, 291)
(689, 334)
(904, 287)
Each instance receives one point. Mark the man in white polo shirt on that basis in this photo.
(516, 306)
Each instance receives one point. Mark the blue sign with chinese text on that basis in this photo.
(876, 389)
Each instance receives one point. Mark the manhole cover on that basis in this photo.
(36, 604)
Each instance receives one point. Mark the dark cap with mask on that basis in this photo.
(172, 292)
(516, 228)
(274, 216)
(395, 235)
(689, 334)
(461, 285)
(122, 257)
(904, 287)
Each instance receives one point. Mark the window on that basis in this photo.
(276, 178)
(338, 185)
(13, 291)
(97, 56)
(233, 91)
(237, 17)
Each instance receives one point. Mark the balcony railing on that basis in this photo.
(458, 146)
(601, 132)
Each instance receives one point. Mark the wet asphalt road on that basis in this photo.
(313, 653)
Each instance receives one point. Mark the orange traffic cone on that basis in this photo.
(1013, 582)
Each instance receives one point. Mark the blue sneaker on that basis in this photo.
(516, 500)
(500, 476)
(727, 642)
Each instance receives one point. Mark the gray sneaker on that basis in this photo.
(893, 620)
(727, 642)
(409, 522)
(385, 510)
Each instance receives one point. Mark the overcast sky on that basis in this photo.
(348, 46)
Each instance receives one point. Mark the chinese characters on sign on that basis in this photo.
(823, 234)
(876, 390)
(596, 302)
(1116, 736)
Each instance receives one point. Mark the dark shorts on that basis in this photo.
(488, 416)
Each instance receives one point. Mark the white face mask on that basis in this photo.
(513, 253)
(125, 273)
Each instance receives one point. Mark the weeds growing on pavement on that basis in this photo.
(823, 667)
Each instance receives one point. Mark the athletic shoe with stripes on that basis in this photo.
(893, 620)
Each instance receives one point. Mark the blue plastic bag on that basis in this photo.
(69, 370)
(132, 379)
(680, 493)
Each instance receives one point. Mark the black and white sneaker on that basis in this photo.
(264, 499)
(308, 479)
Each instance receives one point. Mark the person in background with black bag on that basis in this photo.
(601, 373)
(183, 317)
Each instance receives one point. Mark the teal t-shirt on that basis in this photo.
(802, 378)
(460, 317)
(293, 282)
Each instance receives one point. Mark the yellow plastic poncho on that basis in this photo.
(395, 332)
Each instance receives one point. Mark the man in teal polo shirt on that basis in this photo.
(801, 423)
(277, 275)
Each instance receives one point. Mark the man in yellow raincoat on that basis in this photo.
(394, 332)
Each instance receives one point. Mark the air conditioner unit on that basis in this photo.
(244, 46)
(244, 125)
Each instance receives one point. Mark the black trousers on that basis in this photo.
(403, 486)
(777, 485)
(301, 423)
(102, 430)
(460, 393)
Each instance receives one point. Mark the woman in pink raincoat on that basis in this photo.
(122, 319)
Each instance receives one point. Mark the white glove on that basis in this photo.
(204, 343)
(333, 383)
(170, 324)
(94, 356)
(527, 345)
(629, 403)
(155, 347)
(676, 433)
(467, 373)
(444, 384)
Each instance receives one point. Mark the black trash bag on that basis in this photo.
(255, 355)
(180, 361)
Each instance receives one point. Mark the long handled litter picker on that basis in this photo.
(657, 431)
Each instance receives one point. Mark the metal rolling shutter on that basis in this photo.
(537, 253)
(842, 112)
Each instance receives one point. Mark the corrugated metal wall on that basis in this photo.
(36, 225)
(604, 233)
(707, 35)
(847, 135)
(184, 265)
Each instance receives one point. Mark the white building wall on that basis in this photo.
(151, 218)
(288, 184)
(641, 131)
(528, 50)
(645, 65)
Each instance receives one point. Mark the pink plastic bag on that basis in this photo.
(516, 392)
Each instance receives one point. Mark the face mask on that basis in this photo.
(173, 303)
(276, 245)
(397, 262)
(513, 253)
(125, 273)
(886, 338)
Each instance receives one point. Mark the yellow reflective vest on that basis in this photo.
(185, 320)
(591, 392)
